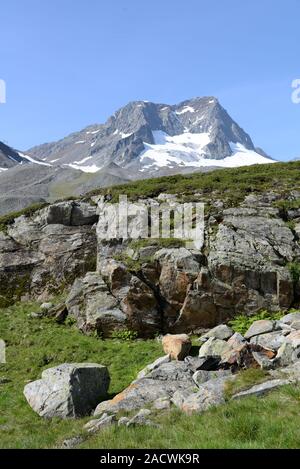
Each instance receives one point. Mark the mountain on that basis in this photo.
(9, 157)
(148, 139)
(140, 140)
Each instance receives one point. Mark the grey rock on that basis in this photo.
(162, 404)
(97, 425)
(46, 306)
(296, 325)
(269, 341)
(222, 332)
(262, 326)
(123, 421)
(264, 362)
(141, 418)
(291, 317)
(203, 363)
(203, 376)
(72, 442)
(213, 348)
(94, 307)
(161, 383)
(152, 366)
(262, 389)
(68, 390)
(210, 394)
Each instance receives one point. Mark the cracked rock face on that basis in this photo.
(43, 254)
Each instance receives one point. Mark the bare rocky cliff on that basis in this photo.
(247, 263)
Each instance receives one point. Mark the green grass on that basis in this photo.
(232, 185)
(36, 344)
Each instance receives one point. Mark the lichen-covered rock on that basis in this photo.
(68, 390)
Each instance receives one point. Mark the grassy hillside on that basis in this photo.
(230, 185)
(36, 344)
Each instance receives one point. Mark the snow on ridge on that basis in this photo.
(185, 109)
(86, 169)
(125, 135)
(83, 161)
(79, 141)
(3, 169)
(187, 149)
(32, 160)
(92, 132)
(184, 149)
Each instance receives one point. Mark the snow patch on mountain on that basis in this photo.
(188, 149)
(32, 160)
(86, 169)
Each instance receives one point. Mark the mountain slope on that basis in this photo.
(9, 157)
(145, 138)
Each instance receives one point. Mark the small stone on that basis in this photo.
(46, 306)
(34, 315)
(236, 340)
(210, 394)
(141, 418)
(123, 421)
(177, 345)
(98, 424)
(72, 442)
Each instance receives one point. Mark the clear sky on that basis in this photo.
(71, 63)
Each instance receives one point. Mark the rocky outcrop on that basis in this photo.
(43, 254)
(68, 390)
(244, 265)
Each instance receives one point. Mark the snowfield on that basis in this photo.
(188, 149)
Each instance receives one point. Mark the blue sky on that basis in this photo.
(68, 64)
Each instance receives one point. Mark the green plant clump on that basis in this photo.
(241, 323)
(124, 335)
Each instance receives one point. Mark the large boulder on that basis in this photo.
(68, 390)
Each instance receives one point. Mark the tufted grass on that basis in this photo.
(36, 344)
